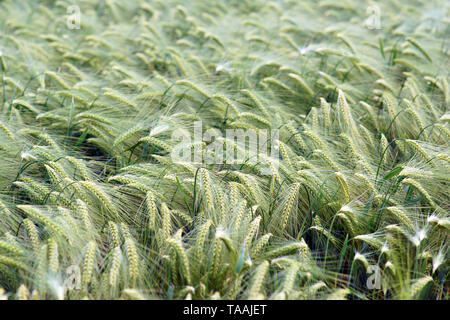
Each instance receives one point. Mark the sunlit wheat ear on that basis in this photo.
(265, 65)
(257, 281)
(200, 240)
(132, 255)
(388, 102)
(343, 184)
(4, 209)
(259, 105)
(181, 254)
(344, 111)
(400, 215)
(222, 206)
(240, 124)
(320, 143)
(314, 289)
(15, 85)
(350, 142)
(385, 85)
(23, 293)
(69, 95)
(114, 232)
(6, 130)
(25, 104)
(252, 231)
(304, 251)
(443, 85)
(184, 216)
(53, 256)
(99, 194)
(420, 189)
(384, 149)
(347, 222)
(80, 167)
(90, 116)
(7, 261)
(88, 263)
(29, 190)
(206, 186)
(251, 186)
(412, 172)
(166, 221)
(228, 102)
(408, 64)
(260, 244)
(290, 278)
(289, 205)
(127, 134)
(10, 247)
(420, 151)
(38, 215)
(296, 137)
(156, 142)
(443, 130)
(339, 294)
(312, 181)
(286, 153)
(234, 192)
(326, 111)
(132, 294)
(239, 215)
(182, 65)
(284, 250)
(419, 286)
(276, 85)
(103, 114)
(84, 213)
(396, 235)
(200, 64)
(216, 256)
(194, 87)
(439, 259)
(390, 268)
(361, 259)
(32, 232)
(367, 183)
(57, 79)
(41, 267)
(372, 115)
(110, 93)
(444, 157)
(73, 70)
(251, 116)
(418, 121)
(151, 210)
(412, 85)
(326, 159)
(300, 81)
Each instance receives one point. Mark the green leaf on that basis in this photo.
(82, 137)
(393, 173)
(380, 41)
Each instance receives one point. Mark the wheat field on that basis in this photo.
(352, 202)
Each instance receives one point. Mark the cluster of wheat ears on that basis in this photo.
(92, 206)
